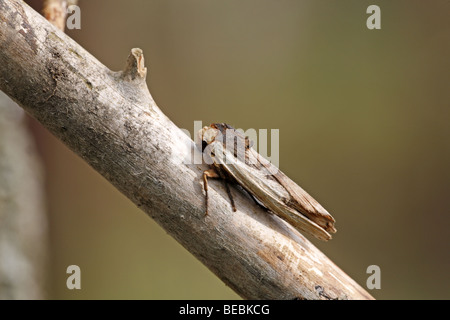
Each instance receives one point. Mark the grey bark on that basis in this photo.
(111, 121)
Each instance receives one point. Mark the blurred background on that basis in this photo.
(364, 127)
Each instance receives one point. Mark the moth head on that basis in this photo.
(206, 136)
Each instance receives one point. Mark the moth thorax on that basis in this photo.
(208, 134)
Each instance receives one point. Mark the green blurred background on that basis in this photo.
(364, 126)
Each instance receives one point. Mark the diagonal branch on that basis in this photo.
(111, 121)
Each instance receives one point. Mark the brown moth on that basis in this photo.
(233, 159)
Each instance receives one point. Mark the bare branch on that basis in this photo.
(111, 121)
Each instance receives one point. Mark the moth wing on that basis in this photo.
(298, 198)
(306, 204)
(268, 191)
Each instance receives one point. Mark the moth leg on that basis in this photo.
(230, 196)
(223, 175)
(211, 173)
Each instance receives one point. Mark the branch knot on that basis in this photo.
(135, 67)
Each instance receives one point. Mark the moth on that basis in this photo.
(234, 160)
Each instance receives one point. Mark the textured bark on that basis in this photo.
(111, 121)
(23, 236)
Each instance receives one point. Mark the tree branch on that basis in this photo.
(111, 121)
